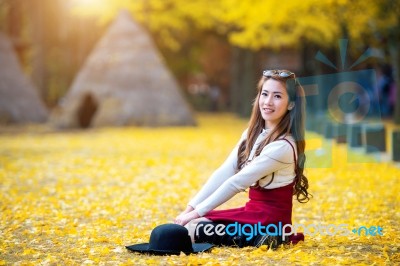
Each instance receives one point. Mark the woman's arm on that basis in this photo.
(275, 156)
(225, 171)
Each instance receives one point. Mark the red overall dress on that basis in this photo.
(267, 206)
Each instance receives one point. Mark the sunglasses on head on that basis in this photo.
(280, 73)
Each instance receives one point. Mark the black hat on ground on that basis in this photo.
(170, 239)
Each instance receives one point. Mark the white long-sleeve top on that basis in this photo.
(224, 183)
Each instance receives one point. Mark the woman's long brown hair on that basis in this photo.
(291, 123)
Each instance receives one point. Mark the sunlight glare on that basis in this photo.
(90, 6)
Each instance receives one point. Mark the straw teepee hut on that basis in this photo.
(123, 82)
(19, 100)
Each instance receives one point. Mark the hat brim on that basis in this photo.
(200, 247)
(144, 248)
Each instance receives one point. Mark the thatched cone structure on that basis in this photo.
(19, 100)
(123, 82)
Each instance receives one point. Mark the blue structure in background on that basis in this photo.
(343, 106)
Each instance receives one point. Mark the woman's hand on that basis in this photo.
(188, 209)
(184, 218)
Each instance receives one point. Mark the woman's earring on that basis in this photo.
(290, 107)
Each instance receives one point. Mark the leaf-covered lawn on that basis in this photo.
(78, 197)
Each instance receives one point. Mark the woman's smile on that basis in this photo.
(268, 110)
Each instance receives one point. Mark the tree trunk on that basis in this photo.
(14, 20)
(394, 56)
(38, 56)
(243, 81)
(248, 83)
(14, 28)
(235, 84)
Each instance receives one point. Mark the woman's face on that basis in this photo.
(273, 102)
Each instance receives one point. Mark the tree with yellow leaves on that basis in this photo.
(251, 26)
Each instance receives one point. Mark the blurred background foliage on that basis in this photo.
(221, 44)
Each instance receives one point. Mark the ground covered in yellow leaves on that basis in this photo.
(78, 197)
